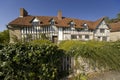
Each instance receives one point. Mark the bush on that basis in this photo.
(34, 42)
(1, 46)
(4, 37)
(99, 54)
(30, 62)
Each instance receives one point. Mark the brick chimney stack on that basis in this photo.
(59, 15)
(23, 12)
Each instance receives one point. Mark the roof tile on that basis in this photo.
(26, 21)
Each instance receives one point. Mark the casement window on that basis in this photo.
(102, 30)
(86, 36)
(73, 36)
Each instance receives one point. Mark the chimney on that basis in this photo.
(23, 12)
(59, 15)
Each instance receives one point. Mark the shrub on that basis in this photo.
(98, 54)
(30, 62)
(34, 42)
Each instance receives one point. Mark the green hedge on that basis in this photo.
(1, 46)
(30, 62)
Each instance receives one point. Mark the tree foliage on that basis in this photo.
(40, 41)
(30, 62)
(4, 36)
(113, 20)
(118, 16)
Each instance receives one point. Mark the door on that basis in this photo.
(54, 39)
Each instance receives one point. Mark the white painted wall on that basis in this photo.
(60, 34)
(97, 32)
(36, 20)
(67, 37)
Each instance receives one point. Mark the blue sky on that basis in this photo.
(81, 9)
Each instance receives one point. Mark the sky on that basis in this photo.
(80, 9)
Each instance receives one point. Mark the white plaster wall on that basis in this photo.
(60, 34)
(67, 37)
(102, 26)
(91, 37)
(54, 28)
(35, 20)
(97, 33)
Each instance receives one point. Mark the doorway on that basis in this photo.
(54, 39)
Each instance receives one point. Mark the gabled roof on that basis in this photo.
(27, 21)
(97, 22)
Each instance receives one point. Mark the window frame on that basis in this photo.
(73, 37)
(87, 36)
(102, 30)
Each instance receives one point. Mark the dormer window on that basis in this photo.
(72, 25)
(85, 26)
(52, 22)
(36, 22)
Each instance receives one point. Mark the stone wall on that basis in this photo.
(14, 34)
(114, 36)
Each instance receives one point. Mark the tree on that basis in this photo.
(118, 16)
(107, 19)
(4, 36)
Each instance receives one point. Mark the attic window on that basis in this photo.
(72, 25)
(52, 22)
(85, 26)
(36, 22)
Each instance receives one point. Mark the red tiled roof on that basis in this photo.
(97, 22)
(26, 21)
(115, 26)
